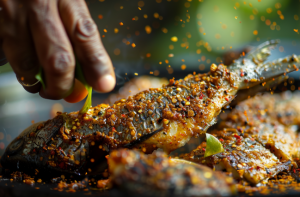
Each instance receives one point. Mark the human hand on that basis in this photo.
(47, 33)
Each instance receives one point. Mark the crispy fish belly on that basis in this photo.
(259, 115)
(164, 118)
(156, 174)
(243, 156)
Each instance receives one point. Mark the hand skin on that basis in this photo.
(47, 34)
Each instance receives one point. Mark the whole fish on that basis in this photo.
(163, 118)
(157, 175)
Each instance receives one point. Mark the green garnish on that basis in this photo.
(78, 75)
(39, 77)
(213, 146)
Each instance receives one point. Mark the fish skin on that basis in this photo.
(126, 121)
(272, 120)
(254, 137)
(199, 98)
(245, 158)
(158, 175)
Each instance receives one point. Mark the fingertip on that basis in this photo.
(42, 93)
(105, 83)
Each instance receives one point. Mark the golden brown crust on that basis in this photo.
(258, 143)
(156, 174)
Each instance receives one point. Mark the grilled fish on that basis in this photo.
(163, 118)
(257, 144)
(243, 156)
(158, 175)
(264, 116)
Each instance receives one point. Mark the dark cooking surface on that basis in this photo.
(13, 189)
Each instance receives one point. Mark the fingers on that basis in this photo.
(19, 50)
(53, 49)
(95, 62)
(23, 61)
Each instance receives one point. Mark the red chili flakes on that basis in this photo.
(123, 115)
(258, 168)
(237, 136)
(201, 95)
(61, 165)
(226, 99)
(242, 73)
(221, 140)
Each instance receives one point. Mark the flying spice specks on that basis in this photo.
(165, 30)
(148, 29)
(296, 30)
(117, 51)
(255, 32)
(156, 72)
(174, 39)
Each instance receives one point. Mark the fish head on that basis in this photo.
(50, 149)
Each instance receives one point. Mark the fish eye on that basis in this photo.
(15, 146)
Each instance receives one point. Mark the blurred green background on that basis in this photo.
(193, 33)
(159, 34)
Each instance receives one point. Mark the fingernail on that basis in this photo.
(106, 83)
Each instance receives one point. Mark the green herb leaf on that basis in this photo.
(79, 75)
(88, 101)
(213, 146)
(39, 77)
